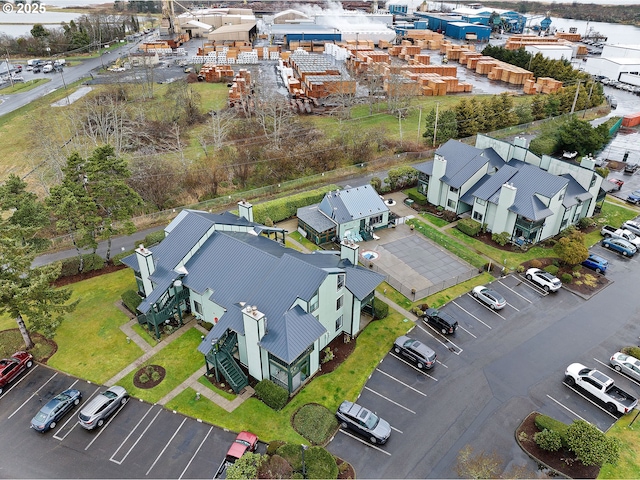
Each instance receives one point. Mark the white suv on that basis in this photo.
(543, 279)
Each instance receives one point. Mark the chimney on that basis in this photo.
(255, 327)
(588, 162)
(520, 142)
(349, 251)
(245, 209)
(506, 199)
(146, 267)
(435, 185)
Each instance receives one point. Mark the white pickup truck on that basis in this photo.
(608, 231)
(600, 386)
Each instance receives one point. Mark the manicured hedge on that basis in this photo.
(131, 300)
(552, 269)
(271, 394)
(380, 308)
(501, 238)
(544, 421)
(116, 259)
(71, 266)
(469, 226)
(416, 196)
(283, 208)
(153, 238)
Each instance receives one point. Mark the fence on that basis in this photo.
(413, 294)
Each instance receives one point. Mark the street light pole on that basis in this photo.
(304, 467)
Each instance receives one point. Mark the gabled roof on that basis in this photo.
(316, 219)
(352, 204)
(575, 192)
(289, 335)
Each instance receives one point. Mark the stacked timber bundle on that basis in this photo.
(216, 73)
(466, 56)
(408, 51)
(422, 59)
(508, 73)
(443, 70)
(542, 85)
(320, 86)
(571, 37)
(241, 85)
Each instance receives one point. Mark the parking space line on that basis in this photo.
(619, 373)
(32, 395)
(18, 382)
(395, 429)
(389, 400)
(408, 386)
(487, 308)
(195, 453)
(363, 442)
(567, 408)
(533, 286)
(104, 427)
(131, 433)
(437, 339)
(72, 417)
(591, 401)
(413, 366)
(509, 288)
(166, 446)
(513, 307)
(471, 314)
(445, 366)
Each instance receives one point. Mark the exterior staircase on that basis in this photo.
(226, 364)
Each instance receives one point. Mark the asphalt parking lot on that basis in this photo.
(496, 369)
(140, 441)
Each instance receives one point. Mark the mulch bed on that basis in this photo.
(348, 472)
(109, 268)
(149, 371)
(563, 461)
(38, 338)
(341, 352)
(577, 285)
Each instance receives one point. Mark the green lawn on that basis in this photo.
(303, 241)
(90, 342)
(629, 436)
(144, 334)
(329, 390)
(228, 395)
(180, 358)
(436, 221)
(23, 86)
(613, 213)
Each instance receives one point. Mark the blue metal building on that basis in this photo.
(460, 30)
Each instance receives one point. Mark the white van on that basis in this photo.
(47, 69)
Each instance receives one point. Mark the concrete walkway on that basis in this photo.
(191, 382)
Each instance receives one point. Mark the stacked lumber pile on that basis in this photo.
(317, 77)
(407, 52)
(420, 59)
(542, 85)
(434, 84)
(571, 37)
(453, 51)
(515, 42)
(216, 73)
(241, 85)
(425, 39)
(320, 86)
(508, 73)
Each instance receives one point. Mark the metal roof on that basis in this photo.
(231, 320)
(575, 192)
(488, 188)
(315, 218)
(289, 335)
(352, 204)
(361, 282)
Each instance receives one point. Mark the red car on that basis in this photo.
(244, 442)
(10, 368)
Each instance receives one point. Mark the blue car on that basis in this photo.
(634, 197)
(620, 245)
(56, 408)
(594, 262)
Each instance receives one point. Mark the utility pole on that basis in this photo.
(589, 99)
(575, 99)
(435, 127)
(419, 121)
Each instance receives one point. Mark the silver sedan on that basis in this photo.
(626, 364)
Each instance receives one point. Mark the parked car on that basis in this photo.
(617, 182)
(10, 368)
(619, 245)
(55, 409)
(594, 262)
(244, 442)
(544, 279)
(363, 421)
(631, 225)
(416, 351)
(102, 406)
(634, 197)
(489, 297)
(626, 364)
(443, 321)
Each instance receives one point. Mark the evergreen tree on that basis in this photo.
(447, 127)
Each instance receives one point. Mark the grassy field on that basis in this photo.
(90, 342)
(180, 358)
(629, 436)
(19, 87)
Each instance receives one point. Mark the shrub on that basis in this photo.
(116, 259)
(535, 264)
(206, 325)
(143, 378)
(633, 351)
(315, 423)
(275, 467)
(552, 269)
(544, 422)
(590, 445)
(155, 376)
(319, 463)
(328, 355)
(585, 222)
(153, 238)
(376, 183)
(416, 196)
(469, 226)
(268, 222)
(283, 208)
(520, 269)
(131, 300)
(292, 453)
(566, 278)
(549, 440)
(92, 262)
(274, 446)
(501, 238)
(271, 394)
(449, 216)
(380, 308)
(70, 266)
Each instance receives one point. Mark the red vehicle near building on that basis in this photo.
(10, 368)
(244, 442)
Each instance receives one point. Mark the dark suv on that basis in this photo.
(440, 320)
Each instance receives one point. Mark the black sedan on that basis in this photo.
(55, 409)
(418, 352)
